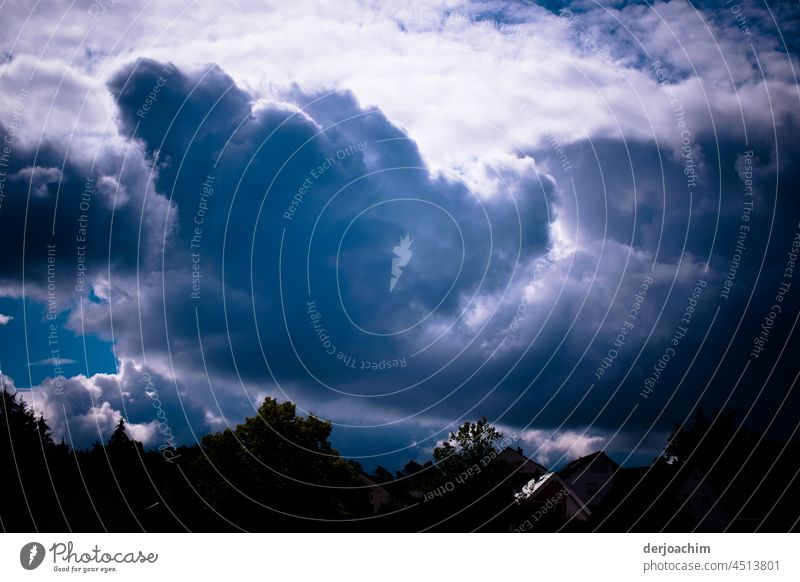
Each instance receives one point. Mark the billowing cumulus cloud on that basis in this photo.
(86, 409)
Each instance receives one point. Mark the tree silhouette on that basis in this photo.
(119, 438)
(27, 463)
(276, 470)
(473, 443)
(276, 465)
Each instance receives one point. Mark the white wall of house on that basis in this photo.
(592, 483)
(575, 509)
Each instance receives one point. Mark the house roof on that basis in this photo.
(533, 488)
(370, 483)
(648, 494)
(585, 461)
(510, 455)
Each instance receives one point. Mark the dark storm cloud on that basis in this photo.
(80, 218)
(314, 198)
(746, 241)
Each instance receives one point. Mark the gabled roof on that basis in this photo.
(649, 496)
(534, 487)
(660, 477)
(531, 487)
(585, 461)
(510, 455)
(370, 483)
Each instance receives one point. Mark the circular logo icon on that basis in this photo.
(31, 555)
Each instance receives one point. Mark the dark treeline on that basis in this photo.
(278, 471)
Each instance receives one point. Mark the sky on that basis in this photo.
(579, 220)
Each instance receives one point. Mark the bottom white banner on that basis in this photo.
(389, 557)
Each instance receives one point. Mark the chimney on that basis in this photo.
(519, 450)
